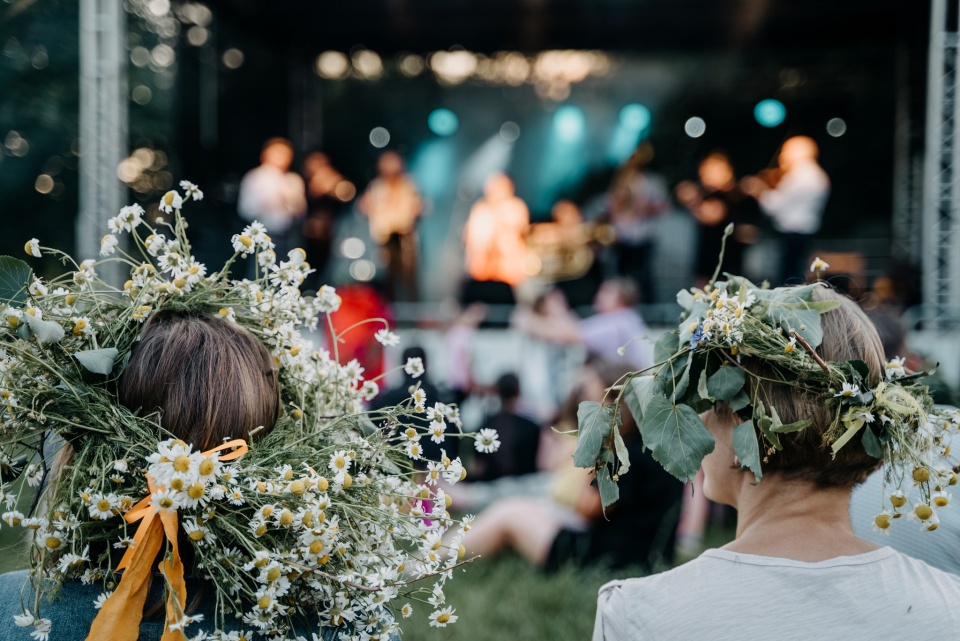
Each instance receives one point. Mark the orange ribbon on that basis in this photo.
(119, 618)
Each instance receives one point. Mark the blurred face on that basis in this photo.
(721, 480)
(498, 187)
(715, 173)
(608, 298)
(390, 165)
(566, 213)
(279, 156)
(797, 151)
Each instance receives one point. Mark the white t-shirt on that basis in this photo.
(797, 204)
(727, 596)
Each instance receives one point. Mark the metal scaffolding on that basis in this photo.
(941, 218)
(103, 123)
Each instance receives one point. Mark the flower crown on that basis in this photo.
(699, 364)
(324, 519)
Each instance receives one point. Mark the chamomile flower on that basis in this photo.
(130, 217)
(340, 462)
(101, 599)
(190, 190)
(441, 618)
(882, 522)
(848, 390)
(103, 506)
(41, 629)
(32, 248)
(387, 338)
(895, 368)
(413, 449)
(369, 390)
(486, 441)
(108, 245)
(419, 398)
(437, 430)
(818, 265)
(170, 201)
(406, 611)
(790, 346)
(414, 367)
(24, 620)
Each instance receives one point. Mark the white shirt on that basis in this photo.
(273, 197)
(727, 596)
(796, 205)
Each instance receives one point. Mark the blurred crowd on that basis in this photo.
(573, 286)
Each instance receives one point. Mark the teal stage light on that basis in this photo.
(769, 112)
(443, 122)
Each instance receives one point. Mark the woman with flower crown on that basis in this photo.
(795, 570)
(216, 476)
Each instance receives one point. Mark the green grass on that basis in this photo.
(507, 598)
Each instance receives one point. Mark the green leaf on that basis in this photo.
(860, 368)
(98, 361)
(747, 449)
(822, 306)
(596, 422)
(609, 492)
(666, 346)
(725, 382)
(622, 454)
(702, 386)
(779, 427)
(15, 277)
(45, 331)
(676, 437)
(739, 401)
(871, 443)
(638, 392)
(683, 381)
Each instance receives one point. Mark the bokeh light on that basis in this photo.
(363, 270)
(379, 137)
(695, 127)
(352, 248)
(232, 58)
(769, 112)
(509, 131)
(635, 117)
(569, 123)
(443, 122)
(836, 127)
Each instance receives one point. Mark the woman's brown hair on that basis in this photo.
(206, 379)
(847, 335)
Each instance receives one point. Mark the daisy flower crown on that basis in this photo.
(324, 521)
(701, 363)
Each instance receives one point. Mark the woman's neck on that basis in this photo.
(795, 520)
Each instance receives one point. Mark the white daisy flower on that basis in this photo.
(849, 389)
(486, 441)
(190, 190)
(32, 248)
(895, 368)
(414, 367)
(818, 264)
(100, 600)
(387, 338)
(170, 201)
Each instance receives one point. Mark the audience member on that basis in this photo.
(324, 203)
(616, 325)
(395, 395)
(638, 530)
(519, 437)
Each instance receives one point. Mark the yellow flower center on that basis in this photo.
(195, 491)
(882, 521)
(181, 463)
(339, 462)
(103, 505)
(921, 474)
(245, 240)
(297, 487)
(180, 283)
(166, 503)
(897, 500)
(273, 574)
(261, 530)
(316, 547)
(53, 542)
(443, 618)
(322, 484)
(263, 602)
(941, 501)
(347, 481)
(296, 414)
(267, 511)
(286, 518)
(923, 511)
(206, 467)
(176, 483)
(196, 535)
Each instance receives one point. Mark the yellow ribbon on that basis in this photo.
(119, 618)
